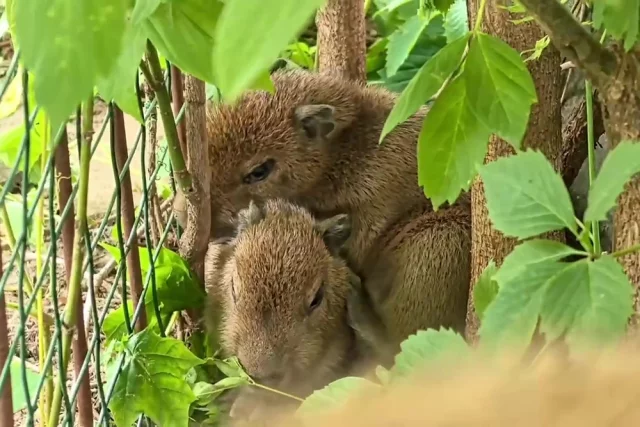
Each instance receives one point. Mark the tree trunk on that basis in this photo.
(342, 40)
(544, 132)
(621, 99)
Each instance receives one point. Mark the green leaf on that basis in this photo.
(456, 21)
(512, 317)
(177, 289)
(263, 82)
(207, 393)
(620, 165)
(443, 5)
(424, 49)
(84, 41)
(425, 84)
(179, 28)
(500, 90)
(592, 300)
(452, 144)
(240, 36)
(526, 196)
(153, 382)
(120, 85)
(428, 348)
(486, 289)
(11, 143)
(620, 18)
(18, 395)
(334, 395)
(527, 255)
(523, 277)
(404, 39)
(231, 367)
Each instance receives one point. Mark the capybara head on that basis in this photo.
(282, 289)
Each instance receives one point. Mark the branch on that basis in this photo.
(153, 74)
(572, 39)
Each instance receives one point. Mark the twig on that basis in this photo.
(153, 74)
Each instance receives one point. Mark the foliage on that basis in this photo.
(411, 34)
(18, 392)
(621, 19)
(153, 381)
(176, 286)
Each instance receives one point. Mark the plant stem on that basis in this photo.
(626, 251)
(478, 25)
(75, 282)
(591, 156)
(153, 74)
(44, 333)
(172, 323)
(273, 390)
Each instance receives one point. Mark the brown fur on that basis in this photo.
(264, 281)
(593, 392)
(337, 166)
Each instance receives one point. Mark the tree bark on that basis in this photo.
(544, 132)
(342, 40)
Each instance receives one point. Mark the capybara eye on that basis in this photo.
(317, 299)
(259, 173)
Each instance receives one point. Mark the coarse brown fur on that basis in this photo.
(264, 283)
(594, 391)
(322, 135)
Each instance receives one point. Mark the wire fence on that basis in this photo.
(35, 304)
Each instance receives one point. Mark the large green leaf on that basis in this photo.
(120, 85)
(404, 39)
(425, 84)
(621, 19)
(68, 47)
(245, 46)
(452, 144)
(179, 29)
(333, 395)
(591, 300)
(525, 195)
(153, 382)
(425, 348)
(620, 165)
(500, 90)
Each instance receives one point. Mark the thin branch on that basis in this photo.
(573, 40)
(153, 74)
